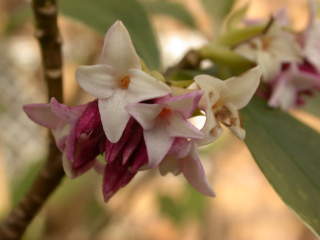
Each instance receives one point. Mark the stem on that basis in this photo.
(191, 60)
(49, 177)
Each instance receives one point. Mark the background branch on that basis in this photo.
(47, 32)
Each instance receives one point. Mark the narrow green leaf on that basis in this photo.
(171, 9)
(237, 36)
(222, 55)
(288, 153)
(218, 9)
(235, 17)
(101, 14)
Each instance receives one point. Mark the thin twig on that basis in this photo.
(50, 175)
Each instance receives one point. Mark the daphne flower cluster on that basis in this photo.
(290, 60)
(137, 122)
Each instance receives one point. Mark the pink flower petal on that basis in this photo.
(193, 171)
(42, 115)
(185, 104)
(117, 175)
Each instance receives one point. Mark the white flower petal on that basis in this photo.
(193, 171)
(144, 113)
(247, 50)
(270, 66)
(143, 87)
(158, 143)
(114, 116)
(118, 50)
(241, 89)
(283, 96)
(312, 44)
(98, 80)
(283, 44)
(212, 87)
(179, 127)
(211, 129)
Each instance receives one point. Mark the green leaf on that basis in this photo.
(171, 9)
(313, 105)
(237, 36)
(218, 9)
(287, 151)
(224, 57)
(101, 14)
(235, 17)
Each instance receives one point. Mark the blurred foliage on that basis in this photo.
(313, 105)
(235, 18)
(101, 14)
(185, 74)
(17, 18)
(171, 9)
(217, 9)
(37, 228)
(237, 36)
(190, 205)
(23, 181)
(287, 152)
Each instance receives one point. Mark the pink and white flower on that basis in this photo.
(80, 137)
(272, 49)
(183, 158)
(165, 120)
(77, 131)
(118, 81)
(223, 99)
(292, 83)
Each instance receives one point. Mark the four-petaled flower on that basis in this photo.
(223, 99)
(118, 81)
(165, 120)
(271, 49)
(292, 83)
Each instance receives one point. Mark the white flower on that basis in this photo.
(223, 99)
(118, 81)
(271, 50)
